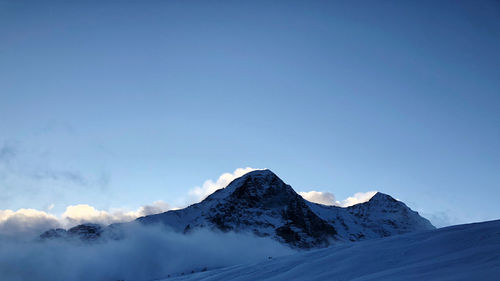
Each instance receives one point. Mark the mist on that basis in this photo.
(146, 253)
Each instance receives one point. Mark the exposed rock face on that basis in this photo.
(54, 233)
(261, 203)
(85, 232)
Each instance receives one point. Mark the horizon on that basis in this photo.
(27, 222)
(119, 109)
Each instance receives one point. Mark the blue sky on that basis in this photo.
(124, 103)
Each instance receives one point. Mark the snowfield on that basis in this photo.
(463, 252)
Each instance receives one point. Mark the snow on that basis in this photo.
(464, 252)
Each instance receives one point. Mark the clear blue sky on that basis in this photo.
(123, 103)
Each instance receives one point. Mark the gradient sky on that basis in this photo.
(123, 103)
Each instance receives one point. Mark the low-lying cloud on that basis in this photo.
(28, 223)
(25, 223)
(327, 198)
(82, 213)
(147, 253)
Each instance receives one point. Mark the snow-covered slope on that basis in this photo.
(463, 252)
(381, 216)
(259, 202)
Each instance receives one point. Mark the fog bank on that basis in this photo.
(146, 253)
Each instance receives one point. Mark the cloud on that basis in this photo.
(7, 152)
(28, 223)
(24, 223)
(26, 171)
(327, 198)
(155, 208)
(357, 198)
(209, 186)
(74, 177)
(83, 213)
(442, 219)
(146, 253)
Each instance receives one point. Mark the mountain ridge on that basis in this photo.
(260, 203)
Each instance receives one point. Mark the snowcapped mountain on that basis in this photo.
(381, 216)
(259, 202)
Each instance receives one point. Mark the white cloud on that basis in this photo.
(357, 198)
(327, 198)
(155, 208)
(209, 186)
(30, 222)
(26, 222)
(82, 213)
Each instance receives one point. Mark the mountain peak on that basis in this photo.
(262, 203)
(259, 185)
(260, 172)
(382, 197)
(264, 174)
(255, 183)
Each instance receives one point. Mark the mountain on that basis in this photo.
(456, 253)
(259, 202)
(87, 232)
(381, 216)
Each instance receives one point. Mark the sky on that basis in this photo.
(135, 105)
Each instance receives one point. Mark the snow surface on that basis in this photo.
(463, 252)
